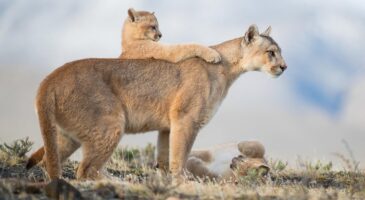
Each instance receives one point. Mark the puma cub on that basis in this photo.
(228, 160)
(140, 36)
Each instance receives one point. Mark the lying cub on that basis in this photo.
(140, 36)
(226, 161)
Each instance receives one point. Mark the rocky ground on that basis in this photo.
(132, 176)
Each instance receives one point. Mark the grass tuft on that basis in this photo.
(14, 153)
(18, 148)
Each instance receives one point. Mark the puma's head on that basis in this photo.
(251, 158)
(243, 165)
(261, 52)
(141, 25)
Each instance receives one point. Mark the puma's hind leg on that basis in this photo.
(204, 155)
(98, 148)
(66, 146)
(197, 167)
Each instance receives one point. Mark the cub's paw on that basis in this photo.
(236, 161)
(212, 56)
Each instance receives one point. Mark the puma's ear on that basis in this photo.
(152, 13)
(251, 34)
(251, 149)
(132, 14)
(267, 31)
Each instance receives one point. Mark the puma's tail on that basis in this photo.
(35, 158)
(46, 108)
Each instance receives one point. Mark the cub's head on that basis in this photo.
(251, 159)
(141, 25)
(261, 52)
(242, 165)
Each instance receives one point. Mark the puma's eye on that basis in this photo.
(153, 27)
(271, 53)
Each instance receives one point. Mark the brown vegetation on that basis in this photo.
(132, 176)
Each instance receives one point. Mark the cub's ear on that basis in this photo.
(251, 34)
(251, 149)
(267, 31)
(132, 14)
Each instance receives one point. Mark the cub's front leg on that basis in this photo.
(177, 53)
(171, 53)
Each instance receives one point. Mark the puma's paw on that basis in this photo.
(236, 161)
(212, 56)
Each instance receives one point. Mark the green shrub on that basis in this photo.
(18, 148)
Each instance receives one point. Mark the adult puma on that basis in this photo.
(140, 36)
(93, 102)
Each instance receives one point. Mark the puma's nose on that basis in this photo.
(283, 67)
(159, 35)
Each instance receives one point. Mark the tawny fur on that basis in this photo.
(140, 36)
(92, 102)
(251, 149)
(227, 160)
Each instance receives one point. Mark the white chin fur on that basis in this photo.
(275, 74)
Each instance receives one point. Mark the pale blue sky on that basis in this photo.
(316, 103)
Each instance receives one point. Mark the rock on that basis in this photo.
(60, 189)
(107, 192)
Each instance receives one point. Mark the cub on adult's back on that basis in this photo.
(140, 36)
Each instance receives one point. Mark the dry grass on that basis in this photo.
(132, 176)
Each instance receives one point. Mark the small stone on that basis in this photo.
(60, 189)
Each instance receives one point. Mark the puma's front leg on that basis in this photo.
(163, 149)
(182, 137)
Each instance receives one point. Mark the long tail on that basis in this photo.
(46, 104)
(35, 158)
